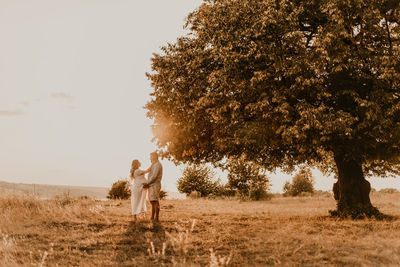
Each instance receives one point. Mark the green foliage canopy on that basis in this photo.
(282, 82)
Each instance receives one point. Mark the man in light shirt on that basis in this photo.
(154, 185)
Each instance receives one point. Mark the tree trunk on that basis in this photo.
(351, 191)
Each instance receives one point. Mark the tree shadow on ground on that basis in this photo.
(136, 241)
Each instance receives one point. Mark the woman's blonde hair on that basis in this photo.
(135, 165)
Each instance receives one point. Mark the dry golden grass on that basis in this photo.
(283, 231)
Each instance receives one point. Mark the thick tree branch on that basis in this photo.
(388, 36)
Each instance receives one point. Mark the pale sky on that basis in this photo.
(73, 87)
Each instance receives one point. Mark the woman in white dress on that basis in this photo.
(138, 193)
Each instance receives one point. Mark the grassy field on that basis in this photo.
(283, 231)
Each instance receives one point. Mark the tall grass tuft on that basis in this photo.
(179, 249)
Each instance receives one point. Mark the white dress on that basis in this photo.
(138, 196)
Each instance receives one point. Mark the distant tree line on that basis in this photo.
(245, 180)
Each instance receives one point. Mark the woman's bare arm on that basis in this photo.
(148, 170)
(144, 171)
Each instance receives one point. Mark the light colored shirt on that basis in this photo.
(155, 174)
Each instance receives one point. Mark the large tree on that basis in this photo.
(284, 83)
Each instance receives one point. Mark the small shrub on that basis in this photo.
(302, 182)
(64, 199)
(248, 180)
(119, 190)
(163, 194)
(223, 191)
(259, 193)
(197, 178)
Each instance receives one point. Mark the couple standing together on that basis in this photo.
(140, 186)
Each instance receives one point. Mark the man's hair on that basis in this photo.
(154, 154)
